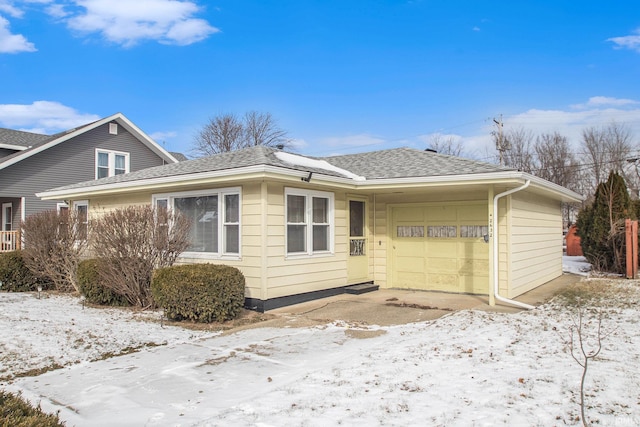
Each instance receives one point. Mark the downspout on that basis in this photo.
(496, 278)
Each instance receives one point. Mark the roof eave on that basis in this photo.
(145, 183)
(506, 177)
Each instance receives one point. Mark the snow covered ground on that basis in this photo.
(469, 368)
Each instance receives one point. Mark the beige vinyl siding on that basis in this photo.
(536, 242)
(293, 275)
(504, 247)
(379, 242)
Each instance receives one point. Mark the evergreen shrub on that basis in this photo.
(15, 275)
(93, 286)
(601, 225)
(200, 292)
(15, 411)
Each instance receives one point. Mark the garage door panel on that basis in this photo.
(445, 265)
(473, 250)
(440, 259)
(409, 215)
(473, 213)
(441, 213)
(472, 267)
(473, 284)
(442, 282)
(438, 248)
(414, 264)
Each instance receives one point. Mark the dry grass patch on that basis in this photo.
(600, 292)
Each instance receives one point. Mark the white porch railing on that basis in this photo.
(9, 241)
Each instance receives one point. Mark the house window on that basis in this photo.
(473, 231)
(7, 217)
(110, 163)
(410, 231)
(82, 210)
(442, 231)
(309, 220)
(62, 208)
(215, 220)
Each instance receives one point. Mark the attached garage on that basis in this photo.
(440, 247)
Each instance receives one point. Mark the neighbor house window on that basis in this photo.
(82, 210)
(309, 218)
(214, 216)
(110, 163)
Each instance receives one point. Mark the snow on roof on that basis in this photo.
(317, 164)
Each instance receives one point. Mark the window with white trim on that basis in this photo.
(111, 163)
(82, 211)
(309, 221)
(215, 220)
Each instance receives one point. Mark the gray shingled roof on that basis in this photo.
(20, 138)
(254, 156)
(409, 163)
(386, 164)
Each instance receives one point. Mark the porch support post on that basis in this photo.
(23, 217)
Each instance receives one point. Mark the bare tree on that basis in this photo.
(226, 132)
(262, 129)
(445, 144)
(54, 244)
(221, 134)
(520, 154)
(607, 149)
(555, 160)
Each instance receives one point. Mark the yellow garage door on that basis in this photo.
(440, 247)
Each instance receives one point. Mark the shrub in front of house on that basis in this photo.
(199, 292)
(17, 412)
(93, 286)
(53, 246)
(136, 240)
(15, 275)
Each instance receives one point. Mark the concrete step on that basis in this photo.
(361, 288)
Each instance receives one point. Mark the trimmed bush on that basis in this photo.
(93, 287)
(199, 292)
(15, 411)
(15, 275)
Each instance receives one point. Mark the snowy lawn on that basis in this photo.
(467, 368)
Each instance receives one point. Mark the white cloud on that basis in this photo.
(597, 112)
(42, 117)
(162, 136)
(126, 23)
(600, 101)
(9, 9)
(13, 43)
(627, 42)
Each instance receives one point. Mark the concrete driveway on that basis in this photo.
(387, 307)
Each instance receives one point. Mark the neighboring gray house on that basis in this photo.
(31, 163)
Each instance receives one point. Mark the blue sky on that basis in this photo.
(340, 76)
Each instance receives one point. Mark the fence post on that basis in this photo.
(631, 241)
(634, 245)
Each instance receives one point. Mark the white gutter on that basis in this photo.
(496, 278)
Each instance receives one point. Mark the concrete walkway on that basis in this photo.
(398, 306)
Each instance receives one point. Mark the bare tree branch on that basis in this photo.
(262, 129)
